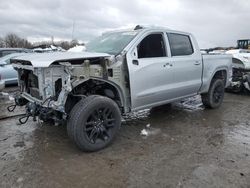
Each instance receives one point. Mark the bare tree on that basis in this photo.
(64, 44)
(24, 44)
(73, 43)
(11, 40)
(14, 41)
(2, 43)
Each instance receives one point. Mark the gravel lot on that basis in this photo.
(186, 146)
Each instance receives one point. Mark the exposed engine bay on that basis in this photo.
(50, 93)
(241, 70)
(240, 80)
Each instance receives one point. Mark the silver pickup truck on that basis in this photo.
(120, 72)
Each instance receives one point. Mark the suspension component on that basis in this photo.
(11, 108)
(19, 101)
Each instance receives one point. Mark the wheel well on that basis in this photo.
(93, 87)
(237, 61)
(221, 74)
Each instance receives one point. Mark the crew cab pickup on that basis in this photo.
(120, 72)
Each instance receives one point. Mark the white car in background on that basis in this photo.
(241, 70)
(2, 84)
(7, 51)
(8, 75)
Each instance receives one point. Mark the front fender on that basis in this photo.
(118, 88)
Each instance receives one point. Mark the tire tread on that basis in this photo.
(78, 110)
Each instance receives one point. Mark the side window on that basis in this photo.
(180, 45)
(152, 46)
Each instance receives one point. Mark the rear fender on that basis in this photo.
(207, 82)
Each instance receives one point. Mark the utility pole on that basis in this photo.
(52, 40)
(73, 30)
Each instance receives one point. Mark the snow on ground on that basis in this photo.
(78, 48)
(148, 130)
(51, 48)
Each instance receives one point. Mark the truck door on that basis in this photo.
(187, 64)
(149, 71)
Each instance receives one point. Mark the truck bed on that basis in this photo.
(212, 62)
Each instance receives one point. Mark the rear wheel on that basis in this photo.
(94, 122)
(215, 95)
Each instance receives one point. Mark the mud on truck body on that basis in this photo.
(121, 71)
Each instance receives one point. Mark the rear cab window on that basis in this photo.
(180, 44)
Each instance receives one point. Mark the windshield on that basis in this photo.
(111, 43)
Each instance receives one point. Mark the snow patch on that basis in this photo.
(191, 104)
(144, 132)
(148, 130)
(50, 48)
(77, 48)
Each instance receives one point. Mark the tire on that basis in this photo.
(93, 123)
(214, 97)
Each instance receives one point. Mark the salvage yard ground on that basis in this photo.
(184, 146)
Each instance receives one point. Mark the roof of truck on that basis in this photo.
(140, 28)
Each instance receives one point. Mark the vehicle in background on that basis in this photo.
(217, 52)
(2, 84)
(120, 72)
(47, 49)
(7, 51)
(241, 70)
(243, 44)
(8, 75)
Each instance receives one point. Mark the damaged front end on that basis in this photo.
(45, 90)
(240, 75)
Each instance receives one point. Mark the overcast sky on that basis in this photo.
(213, 22)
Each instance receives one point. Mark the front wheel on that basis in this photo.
(94, 122)
(215, 95)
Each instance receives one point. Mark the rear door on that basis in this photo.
(187, 64)
(149, 70)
